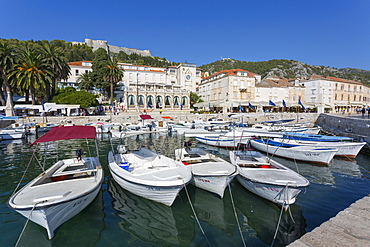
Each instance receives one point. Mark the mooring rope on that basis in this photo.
(236, 216)
(281, 213)
(24, 173)
(195, 215)
(25, 224)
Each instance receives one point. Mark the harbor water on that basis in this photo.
(197, 218)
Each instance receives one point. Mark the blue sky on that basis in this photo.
(316, 32)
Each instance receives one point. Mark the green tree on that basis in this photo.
(54, 57)
(194, 98)
(31, 73)
(7, 59)
(71, 96)
(112, 74)
(85, 81)
(99, 66)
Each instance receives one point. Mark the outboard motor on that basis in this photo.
(187, 145)
(79, 153)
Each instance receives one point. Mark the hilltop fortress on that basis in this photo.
(96, 44)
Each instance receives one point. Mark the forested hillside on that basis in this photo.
(288, 69)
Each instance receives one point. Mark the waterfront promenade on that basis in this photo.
(349, 227)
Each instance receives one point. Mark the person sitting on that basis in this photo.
(79, 153)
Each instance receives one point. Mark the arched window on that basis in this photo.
(167, 100)
(150, 100)
(131, 100)
(176, 100)
(141, 100)
(184, 100)
(159, 101)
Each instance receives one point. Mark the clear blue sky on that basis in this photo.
(333, 33)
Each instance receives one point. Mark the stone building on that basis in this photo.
(96, 44)
(336, 93)
(228, 90)
(276, 89)
(147, 87)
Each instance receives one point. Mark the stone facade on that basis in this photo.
(96, 44)
(147, 87)
(336, 93)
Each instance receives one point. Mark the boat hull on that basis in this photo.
(345, 149)
(214, 184)
(161, 183)
(54, 216)
(282, 195)
(162, 194)
(303, 153)
(223, 142)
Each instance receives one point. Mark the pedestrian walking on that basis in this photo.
(363, 112)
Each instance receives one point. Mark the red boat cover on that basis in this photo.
(67, 133)
(144, 117)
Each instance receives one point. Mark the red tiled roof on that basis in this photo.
(330, 78)
(231, 72)
(79, 63)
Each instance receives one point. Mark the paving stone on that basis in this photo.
(350, 227)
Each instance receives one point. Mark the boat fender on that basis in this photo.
(185, 163)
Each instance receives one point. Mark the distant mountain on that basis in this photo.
(288, 69)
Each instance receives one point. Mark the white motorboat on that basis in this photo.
(149, 174)
(267, 178)
(132, 130)
(210, 172)
(223, 141)
(284, 125)
(101, 127)
(10, 134)
(45, 127)
(63, 190)
(345, 149)
(297, 152)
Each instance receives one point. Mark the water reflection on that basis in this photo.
(345, 166)
(84, 229)
(213, 210)
(150, 221)
(261, 218)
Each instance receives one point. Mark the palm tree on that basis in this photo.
(54, 57)
(7, 59)
(112, 74)
(85, 81)
(31, 72)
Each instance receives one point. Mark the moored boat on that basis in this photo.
(63, 190)
(149, 174)
(297, 152)
(223, 141)
(345, 149)
(267, 178)
(210, 172)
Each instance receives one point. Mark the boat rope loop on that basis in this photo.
(25, 224)
(236, 216)
(195, 215)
